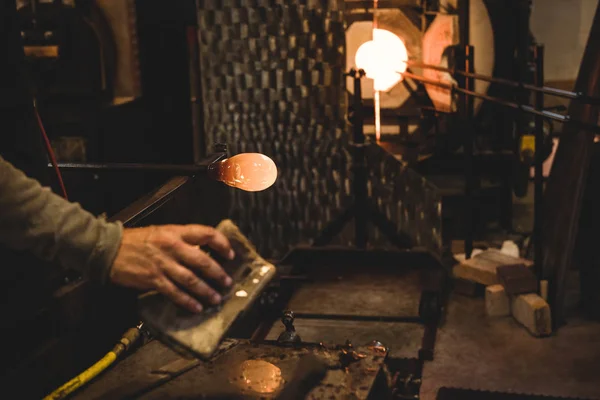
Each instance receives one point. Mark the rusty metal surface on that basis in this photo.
(360, 291)
(242, 371)
(146, 368)
(231, 374)
(403, 339)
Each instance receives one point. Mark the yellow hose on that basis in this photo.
(130, 337)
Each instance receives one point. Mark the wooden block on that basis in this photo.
(517, 279)
(199, 335)
(482, 267)
(468, 288)
(497, 303)
(533, 312)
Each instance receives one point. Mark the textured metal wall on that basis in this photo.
(272, 77)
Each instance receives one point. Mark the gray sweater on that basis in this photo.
(33, 218)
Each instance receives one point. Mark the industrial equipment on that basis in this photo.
(345, 310)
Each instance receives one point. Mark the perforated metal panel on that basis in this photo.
(273, 82)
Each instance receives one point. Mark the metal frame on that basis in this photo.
(275, 299)
(466, 112)
(361, 210)
(365, 10)
(465, 80)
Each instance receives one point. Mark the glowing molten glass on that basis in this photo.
(383, 59)
(258, 376)
(251, 172)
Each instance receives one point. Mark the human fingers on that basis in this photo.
(177, 296)
(201, 235)
(193, 257)
(189, 281)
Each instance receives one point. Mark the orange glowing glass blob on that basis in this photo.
(383, 59)
(251, 172)
(257, 376)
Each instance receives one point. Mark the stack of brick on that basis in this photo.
(511, 288)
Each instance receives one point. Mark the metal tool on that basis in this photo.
(290, 335)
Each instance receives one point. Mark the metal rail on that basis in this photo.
(204, 166)
(540, 89)
(184, 169)
(525, 108)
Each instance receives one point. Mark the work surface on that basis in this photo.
(472, 351)
(374, 306)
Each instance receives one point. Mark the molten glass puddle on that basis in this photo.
(258, 376)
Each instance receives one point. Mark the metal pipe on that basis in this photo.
(500, 81)
(468, 112)
(203, 166)
(525, 108)
(464, 16)
(521, 8)
(198, 147)
(358, 160)
(357, 119)
(539, 163)
(184, 169)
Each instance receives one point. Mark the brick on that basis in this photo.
(497, 303)
(517, 279)
(531, 311)
(468, 288)
(482, 267)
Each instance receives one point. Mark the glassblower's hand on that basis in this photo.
(168, 259)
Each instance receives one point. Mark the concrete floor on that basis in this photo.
(474, 351)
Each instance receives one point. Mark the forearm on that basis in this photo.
(35, 219)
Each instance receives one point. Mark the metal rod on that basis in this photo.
(539, 164)
(175, 168)
(376, 93)
(365, 318)
(523, 73)
(500, 81)
(204, 166)
(198, 145)
(464, 17)
(357, 119)
(467, 115)
(359, 181)
(525, 108)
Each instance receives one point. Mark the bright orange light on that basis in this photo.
(257, 376)
(251, 172)
(383, 59)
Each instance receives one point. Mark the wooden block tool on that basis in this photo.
(199, 335)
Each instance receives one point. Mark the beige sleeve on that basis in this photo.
(33, 218)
